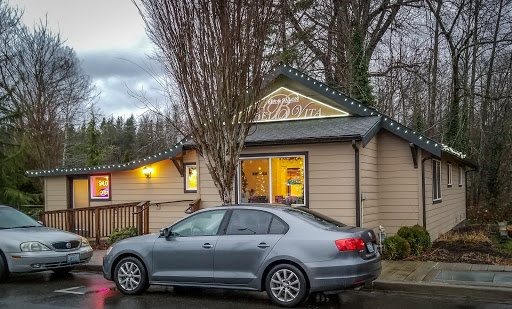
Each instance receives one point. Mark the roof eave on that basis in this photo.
(108, 168)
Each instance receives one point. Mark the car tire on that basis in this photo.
(62, 271)
(130, 276)
(286, 285)
(4, 271)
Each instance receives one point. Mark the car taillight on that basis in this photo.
(349, 244)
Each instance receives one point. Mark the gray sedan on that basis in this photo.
(288, 252)
(28, 246)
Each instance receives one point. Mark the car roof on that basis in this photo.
(254, 206)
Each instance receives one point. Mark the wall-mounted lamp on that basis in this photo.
(147, 171)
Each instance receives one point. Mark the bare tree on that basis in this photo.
(214, 51)
(343, 36)
(47, 85)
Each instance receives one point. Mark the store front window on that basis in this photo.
(273, 179)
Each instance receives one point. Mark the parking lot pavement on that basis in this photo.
(90, 290)
(476, 281)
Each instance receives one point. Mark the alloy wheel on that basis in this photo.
(285, 285)
(129, 276)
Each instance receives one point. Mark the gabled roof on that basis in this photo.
(363, 125)
(313, 131)
(356, 108)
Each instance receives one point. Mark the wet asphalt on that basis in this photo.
(90, 290)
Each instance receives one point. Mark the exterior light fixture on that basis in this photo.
(147, 171)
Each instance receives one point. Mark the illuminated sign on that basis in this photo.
(100, 187)
(285, 104)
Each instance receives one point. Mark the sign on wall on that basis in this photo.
(285, 104)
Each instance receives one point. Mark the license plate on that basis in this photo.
(369, 246)
(73, 258)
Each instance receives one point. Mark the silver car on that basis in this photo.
(27, 246)
(288, 252)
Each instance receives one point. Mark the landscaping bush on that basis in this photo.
(121, 234)
(417, 237)
(396, 248)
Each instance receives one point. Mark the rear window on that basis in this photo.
(314, 217)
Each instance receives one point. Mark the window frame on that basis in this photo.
(436, 186)
(449, 174)
(460, 176)
(269, 156)
(186, 166)
(191, 217)
(99, 199)
(224, 229)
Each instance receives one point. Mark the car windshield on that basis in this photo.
(314, 217)
(11, 219)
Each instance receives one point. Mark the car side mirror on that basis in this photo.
(40, 223)
(164, 232)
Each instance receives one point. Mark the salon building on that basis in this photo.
(310, 146)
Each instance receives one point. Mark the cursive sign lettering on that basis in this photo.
(285, 104)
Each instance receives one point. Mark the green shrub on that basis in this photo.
(418, 238)
(121, 234)
(396, 248)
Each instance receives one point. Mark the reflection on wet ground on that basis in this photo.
(91, 290)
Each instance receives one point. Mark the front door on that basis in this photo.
(80, 193)
(187, 254)
(250, 236)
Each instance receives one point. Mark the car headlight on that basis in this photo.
(33, 246)
(85, 242)
(109, 249)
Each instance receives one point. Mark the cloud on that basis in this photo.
(116, 73)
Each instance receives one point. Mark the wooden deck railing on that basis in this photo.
(98, 222)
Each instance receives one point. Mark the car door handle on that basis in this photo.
(263, 245)
(207, 246)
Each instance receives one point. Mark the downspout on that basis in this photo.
(358, 190)
(466, 187)
(423, 190)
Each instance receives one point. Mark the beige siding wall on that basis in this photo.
(369, 184)
(443, 216)
(399, 187)
(389, 181)
(165, 184)
(206, 188)
(331, 178)
(55, 193)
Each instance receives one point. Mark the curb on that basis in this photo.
(88, 267)
(503, 294)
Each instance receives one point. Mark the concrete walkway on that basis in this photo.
(473, 281)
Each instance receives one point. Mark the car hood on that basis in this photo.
(42, 234)
(138, 239)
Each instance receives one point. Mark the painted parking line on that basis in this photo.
(70, 290)
(94, 288)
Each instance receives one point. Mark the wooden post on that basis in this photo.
(97, 220)
(42, 217)
(138, 210)
(69, 221)
(146, 218)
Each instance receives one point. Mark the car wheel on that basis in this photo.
(4, 272)
(62, 271)
(130, 276)
(286, 285)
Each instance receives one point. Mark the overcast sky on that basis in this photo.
(109, 37)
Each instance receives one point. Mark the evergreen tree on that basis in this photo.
(361, 87)
(94, 152)
(128, 138)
